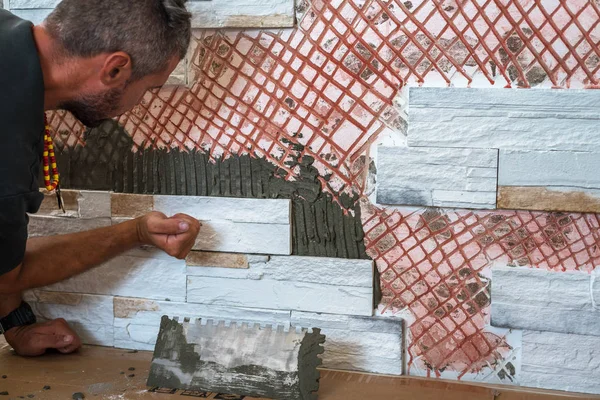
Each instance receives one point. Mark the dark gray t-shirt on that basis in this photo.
(21, 135)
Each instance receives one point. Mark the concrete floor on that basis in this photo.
(106, 373)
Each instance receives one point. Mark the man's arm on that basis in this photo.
(53, 259)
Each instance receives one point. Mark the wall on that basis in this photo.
(205, 13)
(240, 269)
(426, 135)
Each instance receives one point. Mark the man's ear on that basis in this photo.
(116, 70)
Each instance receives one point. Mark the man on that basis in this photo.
(96, 59)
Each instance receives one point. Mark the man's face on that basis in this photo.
(94, 108)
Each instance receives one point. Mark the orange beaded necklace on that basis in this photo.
(49, 162)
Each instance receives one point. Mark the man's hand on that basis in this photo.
(175, 235)
(34, 340)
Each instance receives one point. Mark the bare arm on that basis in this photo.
(53, 259)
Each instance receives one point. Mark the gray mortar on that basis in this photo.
(321, 227)
(308, 362)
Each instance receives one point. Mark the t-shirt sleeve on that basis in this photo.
(12, 247)
(13, 228)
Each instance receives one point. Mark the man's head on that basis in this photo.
(129, 46)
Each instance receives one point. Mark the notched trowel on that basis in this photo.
(238, 358)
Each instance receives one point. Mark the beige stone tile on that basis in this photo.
(131, 205)
(212, 259)
(542, 199)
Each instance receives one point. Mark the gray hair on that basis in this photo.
(152, 32)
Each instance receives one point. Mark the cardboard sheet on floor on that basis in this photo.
(113, 374)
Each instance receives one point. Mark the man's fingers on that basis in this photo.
(180, 250)
(190, 219)
(64, 336)
(51, 327)
(170, 226)
(70, 348)
(34, 340)
(49, 341)
(175, 235)
(56, 326)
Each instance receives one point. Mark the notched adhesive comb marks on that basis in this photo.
(323, 226)
(252, 360)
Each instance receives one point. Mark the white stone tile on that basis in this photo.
(542, 318)
(90, 316)
(504, 118)
(561, 362)
(596, 288)
(259, 211)
(359, 362)
(549, 168)
(253, 272)
(35, 16)
(404, 196)
(32, 4)
(536, 287)
(374, 352)
(133, 336)
(531, 299)
(281, 295)
(347, 322)
(137, 321)
(257, 258)
(298, 283)
(238, 237)
(211, 14)
(94, 204)
(432, 176)
(482, 172)
(332, 271)
(368, 344)
(126, 275)
(442, 156)
(464, 199)
(242, 13)
(260, 226)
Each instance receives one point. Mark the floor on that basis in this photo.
(105, 373)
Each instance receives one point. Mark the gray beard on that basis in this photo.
(93, 110)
